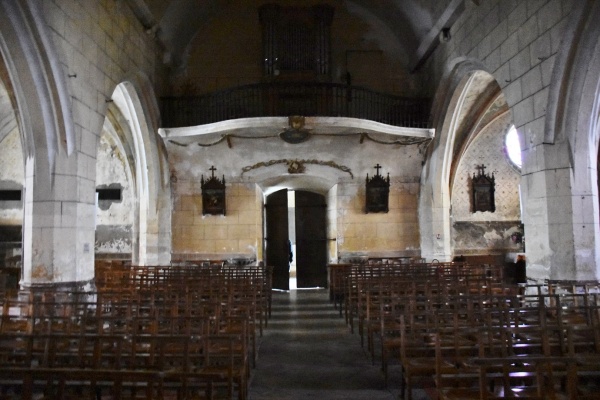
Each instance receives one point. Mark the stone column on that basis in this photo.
(560, 181)
(58, 223)
(434, 224)
(58, 226)
(547, 216)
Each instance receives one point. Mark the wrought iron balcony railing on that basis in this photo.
(285, 99)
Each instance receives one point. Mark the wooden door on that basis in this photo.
(277, 242)
(311, 240)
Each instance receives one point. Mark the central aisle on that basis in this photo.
(307, 352)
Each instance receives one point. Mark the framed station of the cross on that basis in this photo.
(483, 188)
(377, 193)
(213, 195)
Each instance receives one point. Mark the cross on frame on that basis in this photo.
(377, 192)
(481, 169)
(378, 167)
(213, 194)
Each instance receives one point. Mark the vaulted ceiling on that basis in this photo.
(415, 24)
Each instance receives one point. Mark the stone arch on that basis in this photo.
(486, 234)
(434, 198)
(137, 104)
(41, 93)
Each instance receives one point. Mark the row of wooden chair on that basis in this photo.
(360, 289)
(64, 365)
(177, 332)
(410, 310)
(424, 280)
(545, 361)
(339, 274)
(528, 331)
(120, 276)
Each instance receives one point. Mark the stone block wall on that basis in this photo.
(101, 43)
(90, 47)
(391, 234)
(332, 225)
(238, 234)
(518, 43)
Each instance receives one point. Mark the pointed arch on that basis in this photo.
(434, 198)
(137, 104)
(41, 91)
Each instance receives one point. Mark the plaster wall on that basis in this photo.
(12, 177)
(350, 230)
(486, 232)
(114, 219)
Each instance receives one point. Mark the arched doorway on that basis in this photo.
(308, 220)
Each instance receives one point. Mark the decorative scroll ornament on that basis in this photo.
(213, 194)
(297, 166)
(377, 190)
(483, 187)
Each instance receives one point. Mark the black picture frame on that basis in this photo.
(377, 193)
(213, 195)
(483, 191)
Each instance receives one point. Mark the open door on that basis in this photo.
(311, 240)
(277, 250)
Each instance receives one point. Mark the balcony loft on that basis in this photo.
(310, 99)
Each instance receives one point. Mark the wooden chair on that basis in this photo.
(584, 347)
(338, 274)
(225, 362)
(533, 377)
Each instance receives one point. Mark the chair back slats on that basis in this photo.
(146, 330)
(477, 320)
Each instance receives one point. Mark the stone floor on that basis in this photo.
(307, 352)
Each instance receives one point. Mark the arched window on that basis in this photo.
(512, 146)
